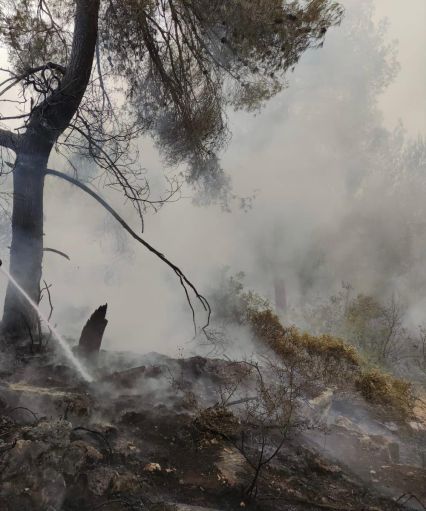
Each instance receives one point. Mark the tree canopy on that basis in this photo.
(169, 68)
(90, 77)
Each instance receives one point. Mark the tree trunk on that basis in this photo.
(92, 333)
(47, 122)
(27, 237)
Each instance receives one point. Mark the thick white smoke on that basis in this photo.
(340, 196)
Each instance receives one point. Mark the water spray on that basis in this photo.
(62, 342)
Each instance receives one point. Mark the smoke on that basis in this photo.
(339, 196)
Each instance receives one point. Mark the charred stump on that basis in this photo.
(93, 331)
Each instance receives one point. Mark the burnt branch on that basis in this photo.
(9, 140)
(98, 435)
(184, 281)
(46, 249)
(49, 297)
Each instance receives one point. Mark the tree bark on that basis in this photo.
(47, 122)
(26, 251)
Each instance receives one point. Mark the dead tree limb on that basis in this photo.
(9, 139)
(46, 249)
(185, 283)
(57, 252)
(49, 297)
(93, 331)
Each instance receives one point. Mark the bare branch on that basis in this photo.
(59, 108)
(181, 276)
(18, 116)
(9, 140)
(56, 252)
(15, 79)
(49, 297)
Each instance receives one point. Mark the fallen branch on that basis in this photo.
(22, 408)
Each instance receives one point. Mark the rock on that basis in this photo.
(20, 459)
(99, 480)
(78, 405)
(17, 460)
(321, 466)
(377, 446)
(52, 489)
(77, 455)
(126, 482)
(125, 447)
(391, 426)
(152, 467)
(417, 426)
(52, 458)
(128, 378)
(320, 406)
(24, 478)
(346, 423)
(231, 465)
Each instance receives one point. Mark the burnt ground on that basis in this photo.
(134, 440)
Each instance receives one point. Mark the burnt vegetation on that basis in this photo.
(272, 430)
(325, 357)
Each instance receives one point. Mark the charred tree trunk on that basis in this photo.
(26, 252)
(47, 122)
(92, 333)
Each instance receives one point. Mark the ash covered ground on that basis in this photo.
(154, 433)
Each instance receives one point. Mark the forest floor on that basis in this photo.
(133, 440)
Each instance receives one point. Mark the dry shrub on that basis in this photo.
(329, 355)
(383, 389)
(318, 359)
(334, 360)
(328, 347)
(218, 420)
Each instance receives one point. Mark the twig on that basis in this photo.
(23, 408)
(97, 434)
(49, 297)
(57, 252)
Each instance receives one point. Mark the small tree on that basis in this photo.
(89, 77)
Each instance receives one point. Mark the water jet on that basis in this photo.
(62, 342)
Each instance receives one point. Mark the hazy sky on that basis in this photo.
(406, 99)
(304, 157)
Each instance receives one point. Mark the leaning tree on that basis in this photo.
(88, 78)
